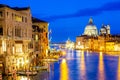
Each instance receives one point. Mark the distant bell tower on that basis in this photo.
(108, 29)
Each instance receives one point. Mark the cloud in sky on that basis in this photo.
(111, 6)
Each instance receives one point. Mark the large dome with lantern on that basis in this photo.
(91, 29)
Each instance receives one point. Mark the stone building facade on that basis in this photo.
(15, 36)
(40, 39)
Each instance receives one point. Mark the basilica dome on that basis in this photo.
(90, 29)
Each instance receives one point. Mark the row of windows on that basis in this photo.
(20, 19)
(15, 17)
(18, 32)
(10, 32)
(36, 37)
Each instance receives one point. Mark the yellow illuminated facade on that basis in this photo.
(40, 38)
(100, 43)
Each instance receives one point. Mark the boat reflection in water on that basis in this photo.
(64, 70)
(101, 74)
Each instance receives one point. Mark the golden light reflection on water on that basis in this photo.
(64, 70)
(118, 72)
(101, 74)
(18, 78)
(82, 66)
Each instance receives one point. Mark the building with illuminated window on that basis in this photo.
(90, 40)
(69, 44)
(40, 38)
(15, 37)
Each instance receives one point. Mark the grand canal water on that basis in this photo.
(81, 65)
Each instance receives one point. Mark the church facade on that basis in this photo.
(95, 40)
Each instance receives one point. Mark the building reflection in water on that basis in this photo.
(17, 78)
(64, 70)
(82, 66)
(23, 78)
(70, 53)
(118, 72)
(101, 74)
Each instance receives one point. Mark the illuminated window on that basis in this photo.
(79, 43)
(4, 45)
(18, 18)
(18, 48)
(36, 37)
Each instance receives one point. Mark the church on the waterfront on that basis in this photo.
(91, 29)
(97, 40)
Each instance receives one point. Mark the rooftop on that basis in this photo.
(15, 8)
(37, 20)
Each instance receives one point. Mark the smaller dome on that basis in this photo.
(108, 27)
(103, 29)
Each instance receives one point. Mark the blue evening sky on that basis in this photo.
(68, 18)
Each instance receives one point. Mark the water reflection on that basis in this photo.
(64, 70)
(118, 73)
(70, 53)
(23, 78)
(101, 74)
(82, 66)
(17, 78)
